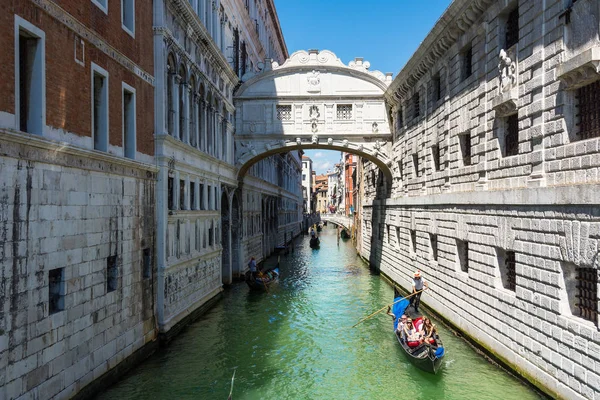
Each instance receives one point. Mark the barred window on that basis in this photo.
(588, 110)
(467, 63)
(434, 246)
(416, 105)
(437, 88)
(465, 148)
(511, 138)
(344, 111)
(462, 249)
(435, 156)
(512, 28)
(400, 117)
(284, 112)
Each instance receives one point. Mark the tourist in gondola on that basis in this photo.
(428, 331)
(411, 335)
(401, 320)
(418, 285)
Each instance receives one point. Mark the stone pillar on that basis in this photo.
(185, 97)
(176, 83)
(196, 112)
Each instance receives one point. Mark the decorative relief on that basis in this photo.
(507, 70)
(375, 127)
(314, 82)
(330, 141)
(315, 139)
(345, 142)
(313, 112)
(314, 127)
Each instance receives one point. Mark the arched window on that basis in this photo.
(171, 73)
(182, 98)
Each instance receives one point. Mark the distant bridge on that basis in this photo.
(339, 220)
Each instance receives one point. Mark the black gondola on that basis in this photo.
(262, 280)
(426, 356)
(344, 234)
(315, 243)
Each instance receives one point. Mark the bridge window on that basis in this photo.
(433, 239)
(588, 111)
(511, 138)
(587, 294)
(344, 111)
(465, 147)
(284, 112)
(506, 264)
(462, 250)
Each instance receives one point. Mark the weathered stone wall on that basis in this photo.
(74, 210)
(459, 209)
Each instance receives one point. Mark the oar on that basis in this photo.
(384, 307)
(231, 390)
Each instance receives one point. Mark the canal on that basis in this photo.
(296, 342)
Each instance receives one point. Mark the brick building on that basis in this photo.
(495, 188)
(76, 194)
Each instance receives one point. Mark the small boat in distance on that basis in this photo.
(426, 356)
(315, 243)
(263, 280)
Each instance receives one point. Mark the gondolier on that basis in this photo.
(418, 284)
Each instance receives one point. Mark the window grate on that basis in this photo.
(587, 293)
(416, 105)
(434, 246)
(415, 158)
(400, 117)
(284, 112)
(467, 63)
(344, 111)
(512, 28)
(510, 263)
(588, 104)
(465, 147)
(437, 88)
(435, 155)
(56, 290)
(511, 139)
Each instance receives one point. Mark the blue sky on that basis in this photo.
(385, 32)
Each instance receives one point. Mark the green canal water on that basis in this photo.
(296, 342)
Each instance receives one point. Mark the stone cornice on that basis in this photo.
(580, 70)
(458, 18)
(53, 149)
(183, 9)
(92, 37)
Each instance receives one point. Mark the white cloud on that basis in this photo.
(319, 154)
(322, 166)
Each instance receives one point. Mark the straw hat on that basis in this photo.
(417, 274)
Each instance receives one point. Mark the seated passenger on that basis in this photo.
(412, 336)
(428, 331)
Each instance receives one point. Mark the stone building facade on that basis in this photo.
(211, 217)
(77, 222)
(495, 186)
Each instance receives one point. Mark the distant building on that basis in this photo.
(307, 187)
(321, 191)
(349, 182)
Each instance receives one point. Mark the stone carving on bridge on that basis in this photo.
(298, 141)
(313, 112)
(247, 148)
(330, 141)
(345, 142)
(315, 139)
(314, 82)
(508, 72)
(375, 127)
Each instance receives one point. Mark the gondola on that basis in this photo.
(427, 357)
(344, 234)
(263, 280)
(315, 243)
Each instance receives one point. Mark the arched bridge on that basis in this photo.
(313, 101)
(340, 220)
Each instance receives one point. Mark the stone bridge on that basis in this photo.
(340, 220)
(313, 101)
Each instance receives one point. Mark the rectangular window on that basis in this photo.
(435, 157)
(128, 16)
(129, 123)
(401, 170)
(462, 250)
(170, 192)
(588, 110)
(181, 194)
(30, 82)
(512, 28)
(210, 234)
(112, 273)
(511, 137)
(437, 88)
(415, 158)
(100, 108)
(416, 105)
(587, 294)
(400, 117)
(344, 111)
(413, 241)
(56, 290)
(434, 246)
(192, 195)
(284, 112)
(465, 148)
(467, 62)
(398, 241)
(201, 195)
(147, 263)
(101, 4)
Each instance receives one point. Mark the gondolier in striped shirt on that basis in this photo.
(417, 286)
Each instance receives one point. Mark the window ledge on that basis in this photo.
(505, 103)
(580, 70)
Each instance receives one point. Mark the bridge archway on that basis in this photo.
(313, 101)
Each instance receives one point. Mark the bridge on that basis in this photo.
(340, 220)
(313, 101)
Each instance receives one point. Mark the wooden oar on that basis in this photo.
(384, 307)
(231, 390)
